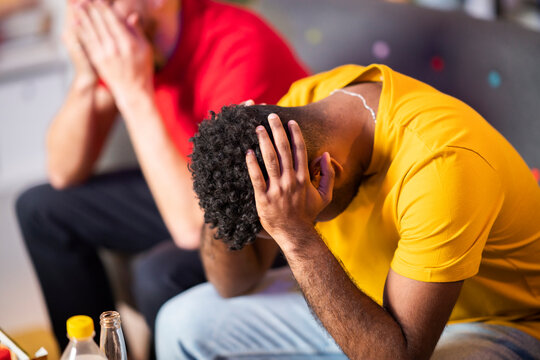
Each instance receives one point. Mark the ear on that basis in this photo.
(315, 170)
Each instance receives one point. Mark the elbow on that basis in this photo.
(58, 181)
(189, 239)
(228, 292)
(57, 176)
(225, 292)
(231, 287)
(61, 180)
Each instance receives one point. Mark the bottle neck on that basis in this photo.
(110, 320)
(79, 340)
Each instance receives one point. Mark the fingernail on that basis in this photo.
(250, 152)
(259, 128)
(272, 116)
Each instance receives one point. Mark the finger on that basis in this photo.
(249, 102)
(301, 164)
(86, 32)
(282, 144)
(326, 185)
(269, 155)
(73, 44)
(101, 27)
(255, 174)
(117, 29)
(70, 16)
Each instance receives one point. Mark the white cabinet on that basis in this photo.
(27, 105)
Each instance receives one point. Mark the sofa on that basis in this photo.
(492, 66)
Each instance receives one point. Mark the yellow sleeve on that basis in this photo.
(445, 210)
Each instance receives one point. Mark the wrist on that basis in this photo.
(297, 241)
(84, 82)
(136, 106)
(134, 100)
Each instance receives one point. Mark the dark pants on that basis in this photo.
(63, 230)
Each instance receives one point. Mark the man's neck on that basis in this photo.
(352, 124)
(371, 92)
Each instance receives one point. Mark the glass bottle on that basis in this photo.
(111, 341)
(80, 330)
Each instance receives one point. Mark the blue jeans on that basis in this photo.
(274, 322)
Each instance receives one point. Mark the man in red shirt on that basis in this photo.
(162, 65)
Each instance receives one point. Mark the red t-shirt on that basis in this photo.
(225, 55)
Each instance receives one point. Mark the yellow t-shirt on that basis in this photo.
(447, 199)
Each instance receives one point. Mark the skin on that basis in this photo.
(82, 124)
(111, 42)
(236, 272)
(413, 315)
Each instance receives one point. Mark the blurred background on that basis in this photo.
(35, 75)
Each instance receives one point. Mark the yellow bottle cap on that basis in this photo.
(80, 327)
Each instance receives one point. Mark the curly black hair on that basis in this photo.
(220, 176)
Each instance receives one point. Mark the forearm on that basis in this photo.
(165, 170)
(234, 272)
(73, 140)
(362, 328)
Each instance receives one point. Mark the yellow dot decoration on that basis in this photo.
(313, 36)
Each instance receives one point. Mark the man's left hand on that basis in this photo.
(118, 50)
(288, 203)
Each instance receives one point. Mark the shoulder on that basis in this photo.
(241, 21)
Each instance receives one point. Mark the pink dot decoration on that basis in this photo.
(437, 63)
(380, 49)
(536, 174)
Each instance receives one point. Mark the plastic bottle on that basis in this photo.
(80, 329)
(111, 341)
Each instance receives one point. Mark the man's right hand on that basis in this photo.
(84, 71)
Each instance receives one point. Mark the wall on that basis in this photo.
(30, 95)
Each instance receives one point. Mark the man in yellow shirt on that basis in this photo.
(399, 210)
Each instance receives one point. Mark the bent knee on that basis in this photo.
(185, 322)
(36, 200)
(189, 310)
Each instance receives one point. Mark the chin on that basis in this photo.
(328, 214)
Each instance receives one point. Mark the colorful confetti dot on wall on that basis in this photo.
(313, 36)
(494, 79)
(437, 63)
(536, 174)
(380, 49)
